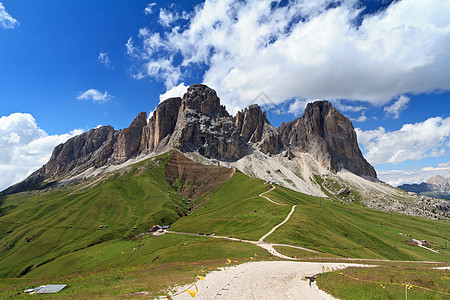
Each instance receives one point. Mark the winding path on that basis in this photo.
(260, 243)
(275, 228)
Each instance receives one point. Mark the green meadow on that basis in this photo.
(54, 236)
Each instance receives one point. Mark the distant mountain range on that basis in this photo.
(437, 186)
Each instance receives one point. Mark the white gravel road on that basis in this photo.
(262, 280)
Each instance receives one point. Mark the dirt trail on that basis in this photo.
(275, 228)
(267, 198)
(260, 243)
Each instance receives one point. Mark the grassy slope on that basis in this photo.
(328, 226)
(114, 268)
(235, 210)
(127, 200)
(122, 202)
(355, 231)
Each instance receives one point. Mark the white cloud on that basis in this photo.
(397, 107)
(298, 106)
(412, 142)
(25, 147)
(149, 9)
(6, 20)
(130, 47)
(176, 91)
(305, 50)
(95, 95)
(104, 59)
(166, 17)
(362, 118)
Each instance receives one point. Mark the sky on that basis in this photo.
(69, 66)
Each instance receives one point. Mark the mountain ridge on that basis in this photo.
(199, 123)
(436, 186)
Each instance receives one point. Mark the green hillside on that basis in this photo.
(54, 236)
(38, 227)
(328, 226)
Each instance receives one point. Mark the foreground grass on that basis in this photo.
(153, 264)
(386, 283)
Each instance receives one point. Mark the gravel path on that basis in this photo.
(262, 280)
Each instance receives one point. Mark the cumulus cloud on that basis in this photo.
(304, 50)
(411, 142)
(130, 47)
(6, 20)
(25, 147)
(397, 107)
(95, 95)
(104, 59)
(176, 91)
(166, 17)
(149, 9)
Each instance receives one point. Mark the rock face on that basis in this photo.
(129, 139)
(205, 126)
(199, 123)
(329, 136)
(161, 124)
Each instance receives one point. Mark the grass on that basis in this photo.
(235, 210)
(111, 270)
(39, 224)
(38, 245)
(367, 283)
(354, 231)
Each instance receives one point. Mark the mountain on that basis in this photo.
(316, 154)
(83, 218)
(199, 123)
(437, 186)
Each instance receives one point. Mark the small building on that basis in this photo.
(155, 228)
(165, 227)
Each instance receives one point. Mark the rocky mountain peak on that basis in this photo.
(199, 123)
(439, 182)
(129, 139)
(203, 99)
(161, 124)
(329, 136)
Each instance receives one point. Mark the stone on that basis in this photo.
(329, 136)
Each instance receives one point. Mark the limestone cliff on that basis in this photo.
(199, 123)
(329, 136)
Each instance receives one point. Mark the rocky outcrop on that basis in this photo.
(329, 136)
(204, 126)
(129, 139)
(199, 123)
(253, 126)
(161, 124)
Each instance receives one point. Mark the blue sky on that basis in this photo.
(69, 66)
